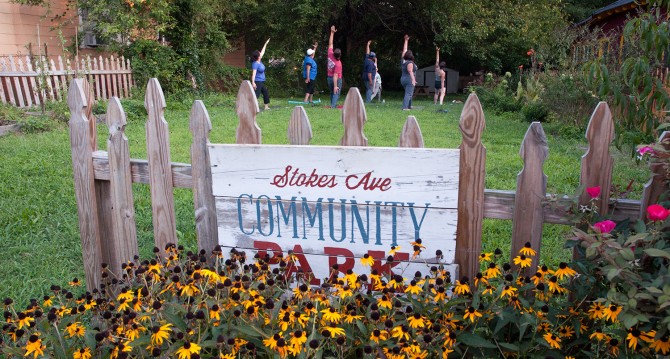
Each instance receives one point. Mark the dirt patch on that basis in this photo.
(4, 122)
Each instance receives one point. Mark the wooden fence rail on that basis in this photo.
(27, 81)
(103, 178)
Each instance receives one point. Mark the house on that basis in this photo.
(28, 30)
(426, 77)
(612, 18)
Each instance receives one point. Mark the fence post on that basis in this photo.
(411, 134)
(353, 119)
(597, 162)
(531, 190)
(472, 167)
(656, 185)
(123, 244)
(247, 131)
(201, 172)
(84, 184)
(160, 168)
(299, 129)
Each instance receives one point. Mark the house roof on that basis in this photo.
(613, 8)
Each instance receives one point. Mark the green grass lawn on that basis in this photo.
(39, 238)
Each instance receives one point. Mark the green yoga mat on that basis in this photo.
(291, 102)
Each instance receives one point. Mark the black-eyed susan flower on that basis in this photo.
(121, 347)
(413, 288)
(508, 291)
(82, 353)
(384, 302)
(523, 261)
(449, 339)
(543, 327)
(367, 260)
(271, 342)
(75, 282)
(661, 345)
(613, 347)
(566, 331)
(553, 340)
(34, 346)
(480, 279)
(440, 294)
(545, 271)
(400, 332)
(187, 349)
(471, 313)
(564, 271)
(190, 289)
(462, 287)
(489, 290)
(24, 320)
(75, 329)
(492, 271)
(331, 315)
(527, 250)
(352, 317)
(596, 311)
(378, 335)
(416, 321)
(635, 336)
(556, 288)
(333, 331)
(159, 334)
(599, 335)
(611, 312)
(485, 257)
(298, 338)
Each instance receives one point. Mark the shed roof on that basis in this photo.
(615, 7)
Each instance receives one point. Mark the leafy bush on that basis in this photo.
(35, 124)
(497, 94)
(151, 59)
(535, 111)
(566, 96)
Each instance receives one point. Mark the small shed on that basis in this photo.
(426, 77)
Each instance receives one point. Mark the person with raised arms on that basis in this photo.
(334, 70)
(408, 78)
(258, 75)
(440, 77)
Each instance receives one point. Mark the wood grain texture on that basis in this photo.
(103, 80)
(113, 62)
(499, 204)
(203, 199)
(139, 170)
(656, 185)
(98, 91)
(84, 185)
(471, 187)
(158, 154)
(56, 80)
(89, 115)
(34, 93)
(597, 162)
(17, 83)
(124, 77)
(299, 129)
(411, 134)
(123, 245)
(531, 190)
(247, 131)
(353, 119)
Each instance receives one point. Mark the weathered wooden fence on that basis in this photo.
(27, 81)
(103, 178)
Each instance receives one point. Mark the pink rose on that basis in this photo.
(594, 192)
(604, 226)
(656, 212)
(644, 150)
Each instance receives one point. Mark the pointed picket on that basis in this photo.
(84, 185)
(123, 244)
(411, 134)
(531, 190)
(34, 92)
(472, 170)
(299, 128)
(353, 119)
(597, 162)
(158, 154)
(17, 84)
(247, 131)
(201, 172)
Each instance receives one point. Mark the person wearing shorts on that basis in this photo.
(440, 77)
(309, 73)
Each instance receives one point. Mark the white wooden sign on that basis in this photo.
(335, 204)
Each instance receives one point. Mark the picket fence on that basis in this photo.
(103, 179)
(27, 81)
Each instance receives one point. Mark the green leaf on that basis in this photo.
(474, 340)
(612, 273)
(654, 252)
(509, 347)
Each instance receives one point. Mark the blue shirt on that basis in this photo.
(260, 71)
(369, 68)
(312, 70)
